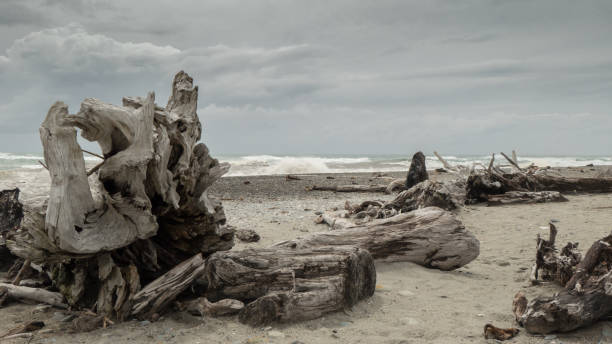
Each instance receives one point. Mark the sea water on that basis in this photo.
(248, 165)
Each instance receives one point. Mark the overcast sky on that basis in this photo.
(308, 77)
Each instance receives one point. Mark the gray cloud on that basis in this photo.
(311, 77)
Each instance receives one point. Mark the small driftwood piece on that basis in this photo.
(395, 185)
(153, 297)
(34, 294)
(201, 307)
(292, 177)
(525, 197)
(350, 188)
(587, 296)
(492, 332)
(446, 165)
(511, 161)
(417, 172)
(287, 285)
(431, 237)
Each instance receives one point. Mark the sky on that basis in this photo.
(325, 77)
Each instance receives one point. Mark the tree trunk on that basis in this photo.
(430, 237)
(286, 285)
(418, 171)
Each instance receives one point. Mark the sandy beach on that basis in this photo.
(412, 304)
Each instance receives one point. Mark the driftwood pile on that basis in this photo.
(139, 232)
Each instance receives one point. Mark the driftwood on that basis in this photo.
(587, 296)
(395, 185)
(492, 332)
(350, 188)
(34, 294)
(481, 185)
(201, 307)
(156, 295)
(524, 197)
(143, 211)
(418, 171)
(26, 328)
(431, 237)
(448, 195)
(552, 266)
(11, 214)
(285, 284)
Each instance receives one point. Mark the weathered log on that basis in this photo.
(587, 296)
(525, 197)
(418, 171)
(286, 285)
(153, 297)
(481, 185)
(431, 237)
(350, 188)
(34, 294)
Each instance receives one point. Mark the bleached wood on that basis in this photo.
(287, 285)
(431, 237)
(34, 294)
(153, 297)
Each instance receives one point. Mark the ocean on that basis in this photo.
(248, 165)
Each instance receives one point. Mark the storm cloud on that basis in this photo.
(304, 77)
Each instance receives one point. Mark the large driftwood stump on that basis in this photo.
(418, 171)
(145, 209)
(286, 285)
(586, 299)
(431, 237)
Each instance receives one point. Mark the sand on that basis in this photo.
(412, 304)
